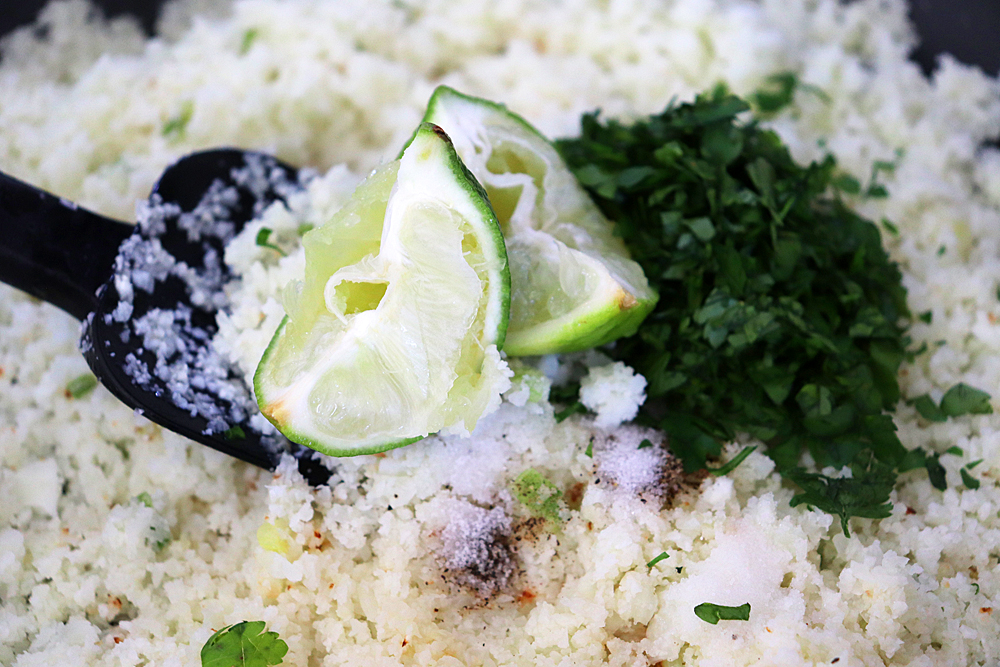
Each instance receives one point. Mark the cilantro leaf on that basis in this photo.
(263, 240)
(243, 645)
(713, 613)
(965, 400)
(81, 385)
(865, 494)
(967, 479)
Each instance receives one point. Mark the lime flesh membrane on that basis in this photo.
(574, 285)
(395, 331)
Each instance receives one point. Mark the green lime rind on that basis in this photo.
(304, 439)
(347, 373)
(599, 327)
(574, 284)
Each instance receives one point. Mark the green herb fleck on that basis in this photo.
(713, 613)
(941, 250)
(145, 499)
(571, 409)
(731, 465)
(965, 400)
(304, 228)
(936, 472)
(967, 479)
(176, 126)
(977, 587)
(263, 240)
(663, 556)
(81, 385)
(926, 317)
(250, 35)
(890, 227)
(589, 452)
(538, 494)
(645, 444)
(243, 645)
(973, 464)
(928, 409)
(955, 450)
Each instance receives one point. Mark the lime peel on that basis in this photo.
(574, 284)
(395, 331)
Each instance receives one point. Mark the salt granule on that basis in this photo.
(196, 377)
(633, 469)
(476, 551)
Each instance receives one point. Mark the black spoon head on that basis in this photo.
(150, 339)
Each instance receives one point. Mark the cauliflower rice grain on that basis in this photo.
(124, 544)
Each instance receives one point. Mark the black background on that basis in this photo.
(968, 29)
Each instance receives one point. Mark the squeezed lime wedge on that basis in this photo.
(574, 285)
(395, 331)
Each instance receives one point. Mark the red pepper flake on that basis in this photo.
(910, 510)
(986, 610)
(526, 596)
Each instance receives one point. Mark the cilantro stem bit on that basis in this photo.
(732, 464)
(663, 556)
(779, 312)
(263, 240)
(713, 613)
(243, 645)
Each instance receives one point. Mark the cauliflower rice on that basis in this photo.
(124, 544)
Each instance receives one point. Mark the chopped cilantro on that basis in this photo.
(663, 556)
(936, 472)
(967, 479)
(713, 613)
(973, 464)
(571, 409)
(779, 311)
(926, 317)
(928, 409)
(538, 494)
(176, 125)
(645, 444)
(145, 499)
(865, 494)
(890, 227)
(965, 400)
(250, 36)
(234, 433)
(263, 240)
(731, 465)
(589, 452)
(81, 385)
(955, 450)
(243, 645)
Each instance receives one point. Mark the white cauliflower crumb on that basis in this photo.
(613, 391)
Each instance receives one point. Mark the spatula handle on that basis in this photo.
(53, 249)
